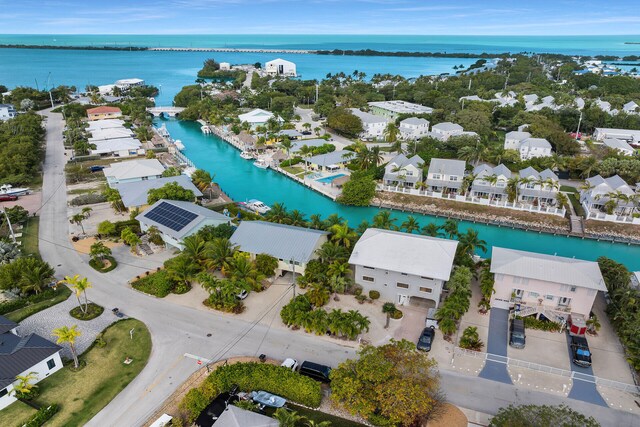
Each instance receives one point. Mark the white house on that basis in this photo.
(392, 109)
(7, 111)
(280, 67)
(631, 107)
(490, 182)
(373, 126)
(225, 66)
(598, 190)
(118, 147)
(538, 284)
(538, 187)
(177, 219)
(134, 195)
(620, 146)
(445, 130)
(534, 147)
(629, 135)
(414, 128)
(21, 355)
(133, 170)
(257, 117)
(292, 246)
(330, 161)
(129, 83)
(100, 125)
(513, 139)
(402, 171)
(405, 268)
(445, 175)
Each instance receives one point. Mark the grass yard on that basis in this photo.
(22, 313)
(576, 204)
(568, 189)
(30, 237)
(293, 170)
(82, 394)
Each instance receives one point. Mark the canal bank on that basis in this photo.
(242, 181)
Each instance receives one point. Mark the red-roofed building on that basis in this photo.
(103, 112)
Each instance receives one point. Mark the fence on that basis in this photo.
(601, 216)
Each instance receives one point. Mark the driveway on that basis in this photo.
(495, 367)
(584, 386)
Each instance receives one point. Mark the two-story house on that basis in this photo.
(414, 128)
(7, 111)
(445, 130)
(403, 172)
(373, 126)
(445, 175)
(405, 268)
(133, 170)
(536, 284)
(538, 187)
(619, 145)
(490, 182)
(513, 139)
(598, 193)
(534, 147)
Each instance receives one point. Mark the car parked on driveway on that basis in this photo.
(517, 337)
(580, 353)
(426, 339)
(8, 197)
(315, 371)
(290, 363)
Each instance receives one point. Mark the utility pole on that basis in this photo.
(13, 236)
(51, 98)
(578, 130)
(316, 92)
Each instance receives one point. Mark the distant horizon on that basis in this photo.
(321, 35)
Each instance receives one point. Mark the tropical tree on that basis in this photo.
(35, 276)
(278, 214)
(410, 224)
(470, 339)
(99, 251)
(86, 211)
(330, 253)
(220, 254)
(318, 295)
(130, 238)
(287, 418)
(297, 218)
(384, 221)
(77, 219)
(391, 133)
(315, 222)
(286, 145)
(450, 227)
(398, 146)
(68, 335)
(342, 235)
(266, 264)
(195, 248)
(469, 242)
(113, 197)
(25, 387)
(333, 219)
(432, 230)
(79, 286)
(562, 200)
(305, 152)
(244, 270)
(182, 269)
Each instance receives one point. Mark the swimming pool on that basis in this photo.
(328, 179)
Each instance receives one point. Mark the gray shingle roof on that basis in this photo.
(536, 142)
(517, 135)
(202, 214)
(18, 354)
(447, 126)
(548, 268)
(447, 166)
(135, 193)
(281, 241)
(414, 121)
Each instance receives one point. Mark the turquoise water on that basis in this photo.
(328, 179)
(242, 181)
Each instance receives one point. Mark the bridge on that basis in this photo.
(231, 50)
(167, 111)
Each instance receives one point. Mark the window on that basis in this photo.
(437, 176)
(573, 289)
(3, 392)
(427, 278)
(404, 274)
(518, 293)
(402, 285)
(51, 363)
(549, 297)
(425, 290)
(534, 294)
(564, 301)
(409, 173)
(368, 279)
(531, 185)
(453, 178)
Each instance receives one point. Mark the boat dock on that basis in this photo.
(232, 50)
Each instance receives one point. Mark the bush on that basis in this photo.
(42, 416)
(93, 311)
(88, 199)
(96, 264)
(396, 314)
(359, 190)
(470, 339)
(543, 325)
(107, 228)
(194, 402)
(9, 306)
(357, 291)
(266, 265)
(158, 284)
(290, 162)
(133, 224)
(374, 295)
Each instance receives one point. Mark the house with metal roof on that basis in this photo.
(101, 134)
(258, 117)
(445, 175)
(393, 109)
(119, 147)
(292, 246)
(234, 416)
(402, 171)
(620, 146)
(330, 161)
(538, 187)
(405, 268)
(629, 135)
(20, 355)
(177, 219)
(539, 284)
(7, 111)
(134, 194)
(414, 128)
(105, 124)
(490, 182)
(599, 191)
(631, 107)
(133, 170)
(373, 126)
(280, 67)
(315, 142)
(513, 139)
(534, 147)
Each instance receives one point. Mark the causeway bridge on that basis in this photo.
(231, 50)
(167, 111)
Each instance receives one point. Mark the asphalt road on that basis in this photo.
(177, 330)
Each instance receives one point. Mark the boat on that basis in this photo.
(261, 163)
(179, 145)
(257, 206)
(246, 155)
(268, 399)
(10, 191)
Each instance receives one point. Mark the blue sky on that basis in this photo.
(446, 17)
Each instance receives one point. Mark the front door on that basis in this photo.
(402, 299)
(564, 301)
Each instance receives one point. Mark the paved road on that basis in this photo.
(583, 388)
(177, 330)
(495, 367)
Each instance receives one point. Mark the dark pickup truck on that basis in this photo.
(580, 353)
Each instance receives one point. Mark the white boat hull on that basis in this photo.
(261, 165)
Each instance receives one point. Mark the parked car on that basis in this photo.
(315, 371)
(431, 320)
(8, 197)
(517, 336)
(426, 339)
(96, 168)
(290, 363)
(306, 132)
(580, 352)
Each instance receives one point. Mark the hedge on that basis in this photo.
(96, 264)
(131, 223)
(544, 325)
(42, 416)
(9, 306)
(88, 199)
(290, 162)
(158, 284)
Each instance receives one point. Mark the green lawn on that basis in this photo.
(82, 394)
(568, 189)
(293, 169)
(576, 204)
(22, 313)
(30, 236)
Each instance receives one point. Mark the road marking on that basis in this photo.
(193, 356)
(161, 376)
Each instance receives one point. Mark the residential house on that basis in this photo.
(598, 191)
(103, 112)
(133, 170)
(544, 284)
(21, 355)
(100, 134)
(280, 67)
(293, 246)
(393, 109)
(538, 187)
(234, 416)
(315, 142)
(118, 147)
(100, 125)
(257, 117)
(444, 131)
(513, 139)
(414, 128)
(176, 220)
(620, 146)
(134, 195)
(405, 268)
(445, 175)
(631, 136)
(7, 111)
(330, 161)
(225, 66)
(534, 147)
(402, 171)
(631, 107)
(126, 84)
(490, 182)
(373, 126)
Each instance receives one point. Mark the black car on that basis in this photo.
(426, 339)
(580, 353)
(316, 371)
(517, 338)
(96, 168)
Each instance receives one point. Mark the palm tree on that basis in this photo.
(36, 277)
(588, 165)
(329, 253)
(391, 133)
(450, 227)
(86, 211)
(362, 227)
(342, 234)
(375, 155)
(410, 225)
(306, 126)
(432, 230)
(278, 214)
(220, 253)
(244, 270)
(80, 286)
(466, 183)
(297, 218)
(384, 221)
(562, 199)
(194, 247)
(492, 180)
(305, 152)
(286, 144)
(181, 269)
(99, 250)
(397, 146)
(316, 222)
(469, 242)
(77, 219)
(130, 238)
(333, 219)
(68, 335)
(473, 154)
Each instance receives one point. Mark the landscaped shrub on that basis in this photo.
(374, 295)
(543, 325)
(396, 314)
(42, 416)
(93, 311)
(97, 264)
(133, 224)
(88, 199)
(194, 402)
(158, 284)
(470, 339)
(290, 162)
(9, 306)
(266, 264)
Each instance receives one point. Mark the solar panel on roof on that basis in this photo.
(171, 216)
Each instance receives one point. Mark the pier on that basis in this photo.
(231, 50)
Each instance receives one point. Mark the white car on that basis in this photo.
(290, 363)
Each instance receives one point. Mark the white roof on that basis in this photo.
(110, 133)
(517, 135)
(536, 142)
(256, 116)
(618, 144)
(368, 117)
(447, 126)
(406, 253)
(105, 124)
(134, 169)
(402, 107)
(415, 121)
(113, 145)
(129, 81)
(332, 158)
(280, 61)
(547, 268)
(234, 416)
